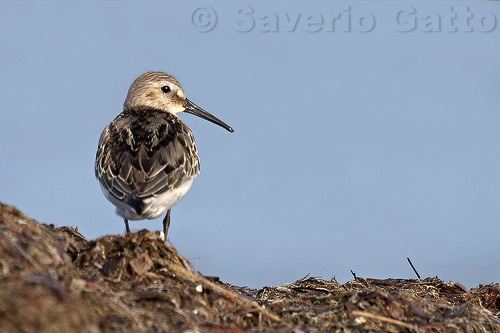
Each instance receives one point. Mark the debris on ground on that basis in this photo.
(54, 280)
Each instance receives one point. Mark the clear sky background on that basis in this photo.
(352, 150)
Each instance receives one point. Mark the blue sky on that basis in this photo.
(353, 148)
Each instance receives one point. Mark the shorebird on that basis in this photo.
(147, 158)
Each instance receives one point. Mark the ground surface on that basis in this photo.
(54, 280)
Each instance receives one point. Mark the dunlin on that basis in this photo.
(147, 157)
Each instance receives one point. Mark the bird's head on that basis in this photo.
(162, 91)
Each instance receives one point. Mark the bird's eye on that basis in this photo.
(165, 89)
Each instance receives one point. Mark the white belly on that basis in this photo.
(155, 206)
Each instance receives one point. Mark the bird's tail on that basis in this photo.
(140, 205)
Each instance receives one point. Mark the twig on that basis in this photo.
(305, 277)
(323, 290)
(384, 319)
(353, 274)
(21, 251)
(235, 297)
(414, 269)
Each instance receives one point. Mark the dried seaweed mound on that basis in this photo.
(391, 305)
(54, 280)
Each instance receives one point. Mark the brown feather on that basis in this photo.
(145, 152)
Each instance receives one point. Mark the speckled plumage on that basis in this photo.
(147, 158)
(145, 152)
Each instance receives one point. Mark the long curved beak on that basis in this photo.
(197, 111)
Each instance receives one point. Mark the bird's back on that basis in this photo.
(144, 153)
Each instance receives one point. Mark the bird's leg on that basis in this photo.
(166, 224)
(126, 225)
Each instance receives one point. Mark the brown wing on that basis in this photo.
(144, 153)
